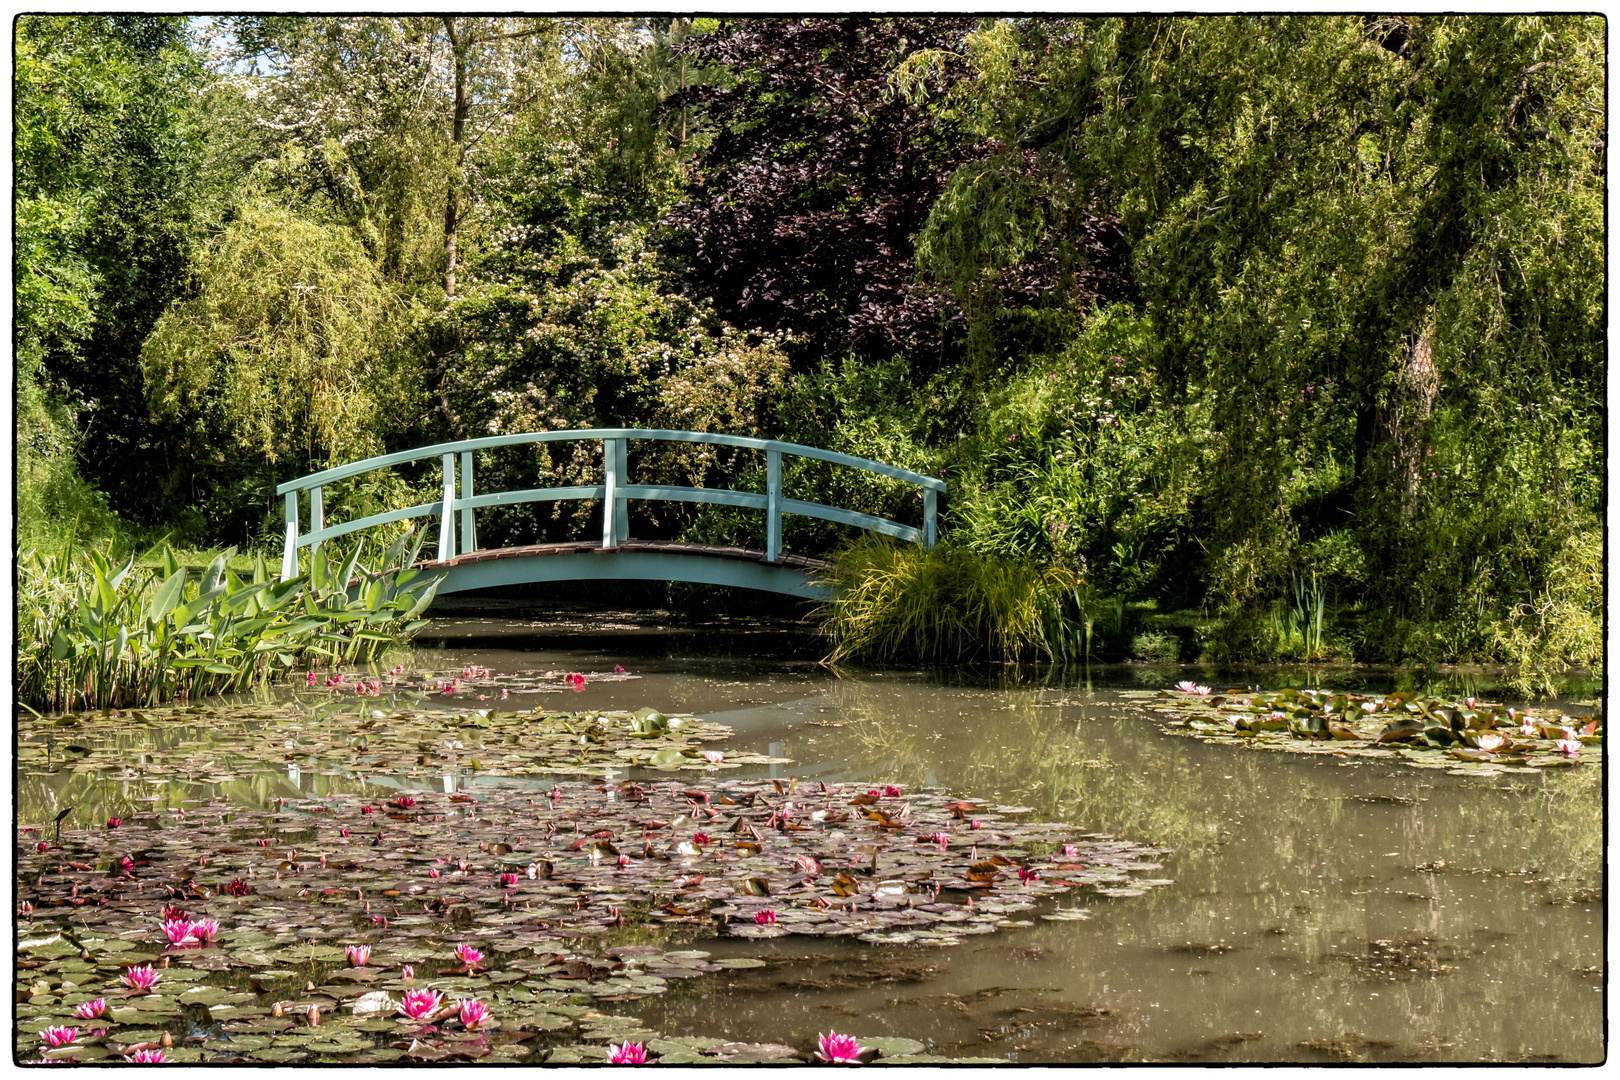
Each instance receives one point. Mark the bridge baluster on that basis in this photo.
(930, 516)
(621, 507)
(773, 505)
(469, 528)
(615, 521)
(447, 513)
(317, 518)
(289, 553)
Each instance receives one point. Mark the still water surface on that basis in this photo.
(1321, 911)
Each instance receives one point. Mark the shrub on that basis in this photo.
(949, 604)
(97, 635)
(1156, 648)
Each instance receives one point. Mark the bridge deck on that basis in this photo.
(667, 547)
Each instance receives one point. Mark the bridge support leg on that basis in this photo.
(469, 528)
(447, 513)
(930, 517)
(289, 552)
(773, 505)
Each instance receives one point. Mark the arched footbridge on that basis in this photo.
(462, 564)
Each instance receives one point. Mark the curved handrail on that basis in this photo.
(568, 435)
(615, 491)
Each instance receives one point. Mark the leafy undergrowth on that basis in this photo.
(1467, 737)
(541, 906)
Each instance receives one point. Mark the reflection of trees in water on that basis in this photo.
(1007, 746)
(94, 799)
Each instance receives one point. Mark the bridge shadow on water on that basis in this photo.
(629, 618)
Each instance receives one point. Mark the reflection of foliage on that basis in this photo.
(1033, 756)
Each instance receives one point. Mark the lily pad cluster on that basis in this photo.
(472, 681)
(1466, 737)
(542, 905)
(342, 736)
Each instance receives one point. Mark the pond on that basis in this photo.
(1303, 908)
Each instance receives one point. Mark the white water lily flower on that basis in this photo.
(376, 1003)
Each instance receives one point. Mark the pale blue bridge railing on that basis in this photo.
(614, 491)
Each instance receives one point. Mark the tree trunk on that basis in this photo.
(458, 130)
(1392, 429)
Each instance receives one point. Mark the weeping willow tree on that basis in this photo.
(282, 356)
(1372, 249)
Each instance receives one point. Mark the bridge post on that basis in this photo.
(610, 498)
(773, 505)
(469, 528)
(447, 513)
(289, 553)
(621, 507)
(930, 517)
(317, 518)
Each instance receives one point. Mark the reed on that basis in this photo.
(949, 604)
(93, 634)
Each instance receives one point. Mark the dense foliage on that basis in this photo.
(1282, 334)
(95, 635)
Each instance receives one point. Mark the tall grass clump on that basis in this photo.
(91, 634)
(901, 601)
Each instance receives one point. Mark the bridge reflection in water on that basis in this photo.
(617, 557)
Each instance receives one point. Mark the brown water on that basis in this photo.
(1321, 911)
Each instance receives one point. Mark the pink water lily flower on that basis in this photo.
(407, 973)
(469, 956)
(140, 979)
(91, 1010)
(418, 1004)
(713, 757)
(976, 824)
(1026, 875)
(472, 1013)
(627, 1054)
(357, 955)
(59, 1036)
(1570, 747)
(146, 1057)
(577, 682)
(700, 838)
(765, 918)
(890, 791)
(835, 1049)
(113, 823)
(1187, 687)
(1071, 849)
(178, 931)
(205, 930)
